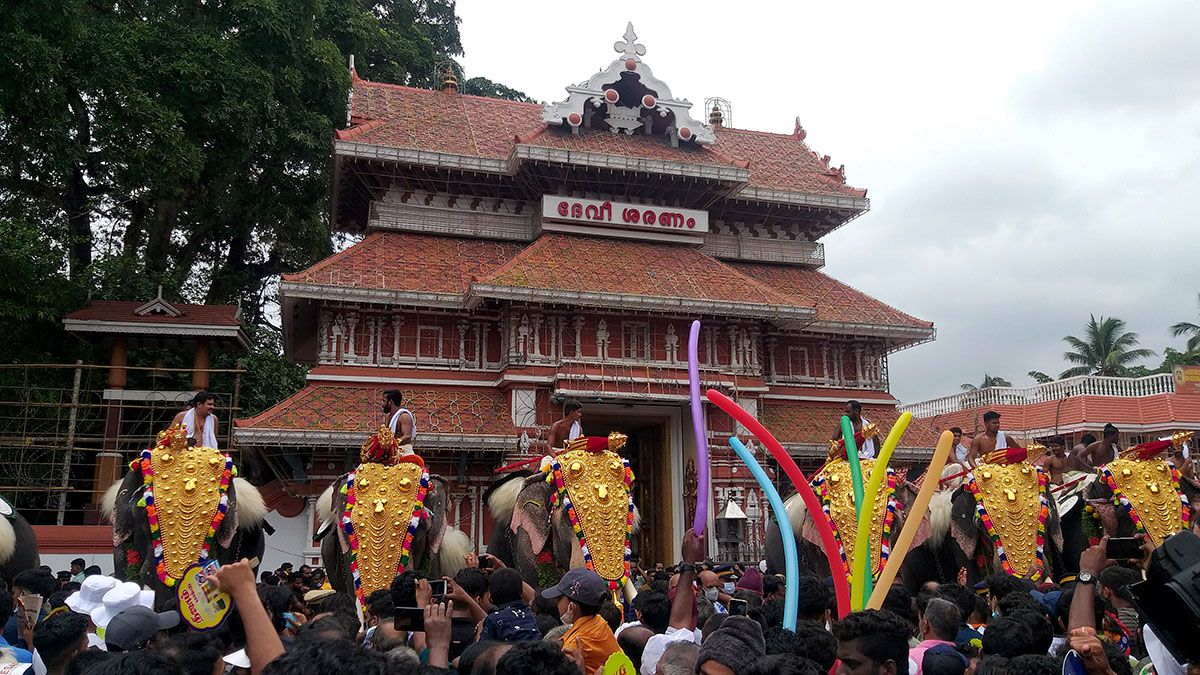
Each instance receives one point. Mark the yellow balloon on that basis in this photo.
(915, 514)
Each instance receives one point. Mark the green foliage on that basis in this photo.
(1105, 349)
(1189, 329)
(1040, 377)
(988, 381)
(481, 86)
(34, 296)
(269, 376)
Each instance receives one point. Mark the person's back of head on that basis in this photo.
(1116, 578)
(385, 637)
(632, 641)
(656, 611)
(943, 660)
(196, 653)
(141, 662)
(783, 664)
(816, 644)
(505, 586)
(753, 600)
(404, 589)
(1000, 585)
(899, 601)
(318, 657)
(472, 580)
(379, 604)
(1009, 638)
(772, 613)
(537, 657)
(961, 596)
(1087, 439)
(277, 600)
(679, 658)
(982, 612)
(59, 638)
(323, 629)
(877, 635)
(1039, 629)
(37, 580)
(772, 584)
(611, 614)
(711, 626)
(992, 665)
(779, 640)
(403, 660)
(1019, 601)
(1034, 664)
(942, 619)
(85, 661)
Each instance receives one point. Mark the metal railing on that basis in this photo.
(55, 419)
(1083, 385)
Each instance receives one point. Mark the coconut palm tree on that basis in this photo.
(1105, 349)
(1040, 377)
(1190, 329)
(988, 381)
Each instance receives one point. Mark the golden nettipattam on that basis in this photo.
(1014, 510)
(598, 488)
(186, 483)
(385, 498)
(836, 488)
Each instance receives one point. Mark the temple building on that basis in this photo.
(516, 255)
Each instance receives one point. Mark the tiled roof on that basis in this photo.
(834, 301)
(123, 311)
(813, 424)
(467, 411)
(1160, 411)
(559, 262)
(408, 118)
(409, 262)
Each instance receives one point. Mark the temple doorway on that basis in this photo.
(652, 450)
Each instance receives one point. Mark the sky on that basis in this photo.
(1028, 163)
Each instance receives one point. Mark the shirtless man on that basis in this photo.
(569, 427)
(200, 421)
(990, 440)
(854, 412)
(1075, 460)
(1055, 459)
(1104, 450)
(400, 420)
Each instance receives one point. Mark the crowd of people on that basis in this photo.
(693, 617)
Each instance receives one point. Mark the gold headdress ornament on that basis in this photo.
(1013, 502)
(836, 488)
(1180, 437)
(614, 443)
(869, 430)
(380, 448)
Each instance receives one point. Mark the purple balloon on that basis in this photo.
(701, 521)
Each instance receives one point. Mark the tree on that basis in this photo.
(1105, 349)
(988, 381)
(1189, 329)
(481, 86)
(1040, 377)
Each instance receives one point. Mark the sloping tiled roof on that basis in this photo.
(123, 311)
(408, 118)
(1159, 411)
(466, 411)
(409, 262)
(576, 264)
(834, 301)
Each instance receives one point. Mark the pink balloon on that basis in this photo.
(841, 587)
(700, 522)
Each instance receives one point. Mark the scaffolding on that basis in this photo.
(57, 419)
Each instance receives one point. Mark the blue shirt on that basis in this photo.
(513, 622)
(23, 655)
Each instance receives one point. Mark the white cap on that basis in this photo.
(238, 659)
(122, 596)
(90, 595)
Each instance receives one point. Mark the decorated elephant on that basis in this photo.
(386, 516)
(576, 511)
(18, 543)
(180, 505)
(834, 487)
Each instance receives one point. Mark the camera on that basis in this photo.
(1169, 598)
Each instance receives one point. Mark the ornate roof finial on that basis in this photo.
(716, 117)
(449, 80)
(629, 47)
(799, 131)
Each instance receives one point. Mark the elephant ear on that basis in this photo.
(1191, 490)
(963, 525)
(532, 512)
(123, 509)
(229, 525)
(435, 506)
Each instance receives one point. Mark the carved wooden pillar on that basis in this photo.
(200, 365)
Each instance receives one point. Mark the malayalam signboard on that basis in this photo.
(1187, 380)
(622, 216)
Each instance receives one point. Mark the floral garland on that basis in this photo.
(405, 546)
(146, 466)
(889, 518)
(1121, 500)
(1043, 513)
(555, 478)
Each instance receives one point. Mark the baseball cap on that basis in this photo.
(581, 585)
(133, 627)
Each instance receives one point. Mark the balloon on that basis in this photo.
(840, 587)
(791, 562)
(915, 515)
(700, 521)
(862, 563)
(856, 481)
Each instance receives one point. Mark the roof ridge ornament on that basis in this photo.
(629, 48)
(627, 98)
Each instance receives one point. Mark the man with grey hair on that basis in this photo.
(938, 626)
(679, 658)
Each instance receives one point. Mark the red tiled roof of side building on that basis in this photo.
(409, 262)
(468, 411)
(123, 310)
(409, 118)
(1092, 412)
(814, 423)
(834, 300)
(593, 264)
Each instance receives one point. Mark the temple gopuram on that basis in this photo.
(516, 255)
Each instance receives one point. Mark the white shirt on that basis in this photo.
(575, 432)
(657, 644)
(208, 436)
(867, 451)
(394, 423)
(961, 452)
